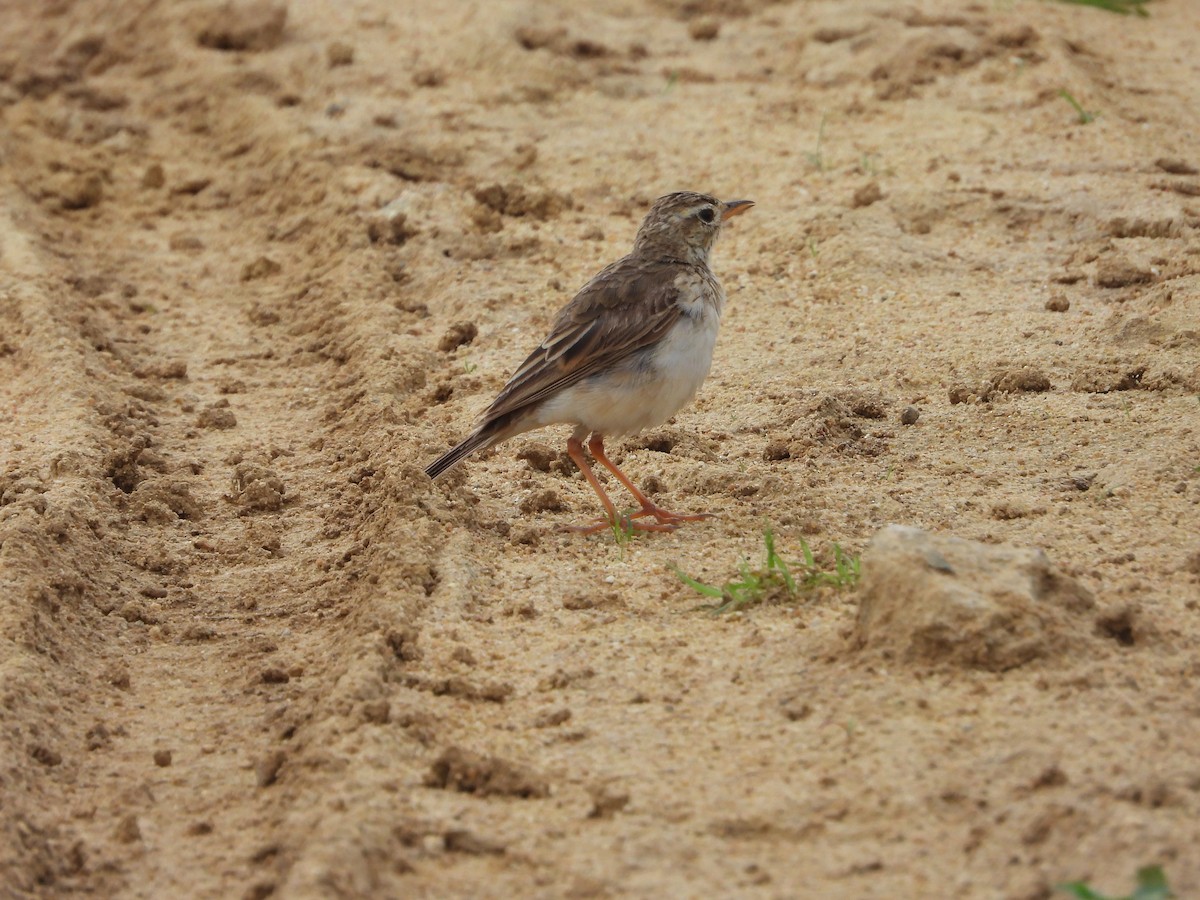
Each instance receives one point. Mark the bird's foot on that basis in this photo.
(627, 524)
(664, 520)
(666, 517)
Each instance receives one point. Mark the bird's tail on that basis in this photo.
(476, 440)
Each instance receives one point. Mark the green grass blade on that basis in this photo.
(1151, 884)
(1081, 891)
(1121, 7)
(708, 590)
(810, 561)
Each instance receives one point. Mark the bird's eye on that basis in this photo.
(707, 215)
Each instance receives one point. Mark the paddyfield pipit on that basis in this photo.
(626, 353)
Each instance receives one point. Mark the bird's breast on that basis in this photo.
(681, 360)
(699, 293)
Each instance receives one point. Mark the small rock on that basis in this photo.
(403, 644)
(259, 496)
(524, 156)
(867, 194)
(244, 25)
(127, 831)
(259, 489)
(429, 78)
(266, 770)
(833, 34)
(459, 769)
(154, 177)
(516, 200)
(527, 535)
(865, 404)
(458, 334)
(1115, 272)
(1176, 167)
(910, 415)
(463, 841)
(538, 455)
(777, 449)
(217, 417)
(46, 756)
(377, 712)
(606, 801)
(162, 758)
(155, 512)
(339, 54)
(185, 243)
(198, 631)
(1051, 776)
(536, 37)
(1020, 381)
(551, 717)
(1058, 303)
(796, 709)
(490, 691)
(463, 655)
(1007, 510)
(192, 186)
(1104, 380)
(262, 267)
(260, 890)
(937, 599)
(118, 676)
(172, 494)
(98, 737)
(82, 191)
(1017, 36)
(132, 611)
(274, 675)
(965, 393)
(389, 227)
(704, 29)
(167, 368)
(543, 501)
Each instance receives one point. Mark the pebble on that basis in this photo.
(704, 29)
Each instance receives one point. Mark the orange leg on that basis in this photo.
(575, 451)
(648, 507)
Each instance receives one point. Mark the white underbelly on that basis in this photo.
(644, 392)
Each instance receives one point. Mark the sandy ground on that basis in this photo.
(248, 649)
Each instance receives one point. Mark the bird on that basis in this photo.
(626, 353)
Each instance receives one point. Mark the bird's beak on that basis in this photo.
(734, 208)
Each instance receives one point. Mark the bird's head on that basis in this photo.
(685, 225)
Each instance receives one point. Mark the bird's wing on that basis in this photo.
(627, 307)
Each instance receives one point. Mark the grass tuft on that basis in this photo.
(1151, 885)
(776, 578)
(623, 532)
(1123, 7)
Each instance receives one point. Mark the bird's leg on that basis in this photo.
(575, 451)
(648, 507)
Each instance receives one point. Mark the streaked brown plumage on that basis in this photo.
(626, 353)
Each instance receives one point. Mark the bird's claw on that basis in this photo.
(666, 517)
(664, 520)
(625, 523)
